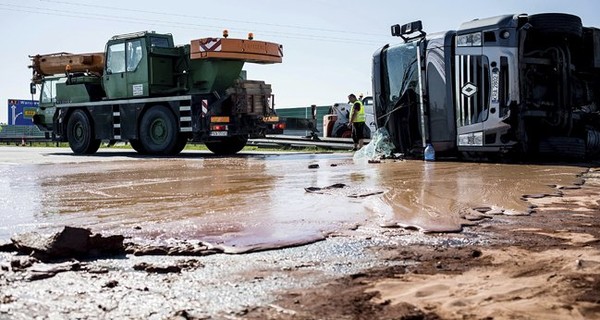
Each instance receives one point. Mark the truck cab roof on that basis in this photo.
(163, 40)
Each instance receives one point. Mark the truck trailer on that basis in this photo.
(520, 85)
(155, 95)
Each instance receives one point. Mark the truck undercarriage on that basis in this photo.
(560, 78)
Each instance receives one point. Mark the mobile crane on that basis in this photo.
(157, 96)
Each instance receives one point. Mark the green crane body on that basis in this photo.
(202, 83)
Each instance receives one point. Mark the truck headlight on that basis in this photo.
(469, 40)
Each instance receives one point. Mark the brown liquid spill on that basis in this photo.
(430, 195)
(254, 201)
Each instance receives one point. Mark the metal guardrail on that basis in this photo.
(27, 135)
(22, 135)
(299, 141)
(13, 131)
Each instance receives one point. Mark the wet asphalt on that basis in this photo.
(260, 203)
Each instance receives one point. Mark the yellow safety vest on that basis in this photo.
(360, 117)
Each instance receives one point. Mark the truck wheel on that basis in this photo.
(81, 134)
(557, 23)
(228, 145)
(158, 131)
(563, 147)
(137, 146)
(181, 142)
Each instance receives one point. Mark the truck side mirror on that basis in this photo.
(396, 30)
(405, 31)
(32, 88)
(414, 26)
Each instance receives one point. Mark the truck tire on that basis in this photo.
(158, 131)
(137, 146)
(563, 148)
(557, 23)
(80, 133)
(228, 145)
(181, 142)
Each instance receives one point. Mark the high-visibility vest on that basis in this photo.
(360, 116)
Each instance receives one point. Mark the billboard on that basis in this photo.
(20, 112)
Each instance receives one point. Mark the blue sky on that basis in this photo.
(327, 44)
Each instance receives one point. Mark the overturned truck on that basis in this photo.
(512, 85)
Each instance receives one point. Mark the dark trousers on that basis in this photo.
(358, 131)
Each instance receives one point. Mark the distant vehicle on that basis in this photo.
(335, 124)
(157, 96)
(515, 85)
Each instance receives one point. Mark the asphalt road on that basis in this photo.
(40, 189)
(249, 201)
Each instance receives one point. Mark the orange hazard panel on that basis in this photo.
(236, 49)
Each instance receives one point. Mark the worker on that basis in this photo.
(357, 121)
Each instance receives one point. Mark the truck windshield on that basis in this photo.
(48, 94)
(400, 78)
(400, 108)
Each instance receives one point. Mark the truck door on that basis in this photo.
(137, 72)
(115, 77)
(126, 75)
(472, 83)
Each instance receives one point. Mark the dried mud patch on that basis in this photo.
(345, 298)
(353, 297)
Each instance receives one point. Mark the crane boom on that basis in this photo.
(56, 63)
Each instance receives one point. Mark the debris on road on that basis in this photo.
(350, 194)
(177, 267)
(321, 190)
(184, 248)
(379, 148)
(69, 243)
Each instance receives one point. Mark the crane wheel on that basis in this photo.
(80, 133)
(137, 146)
(158, 131)
(227, 145)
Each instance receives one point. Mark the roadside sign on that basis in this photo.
(21, 112)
